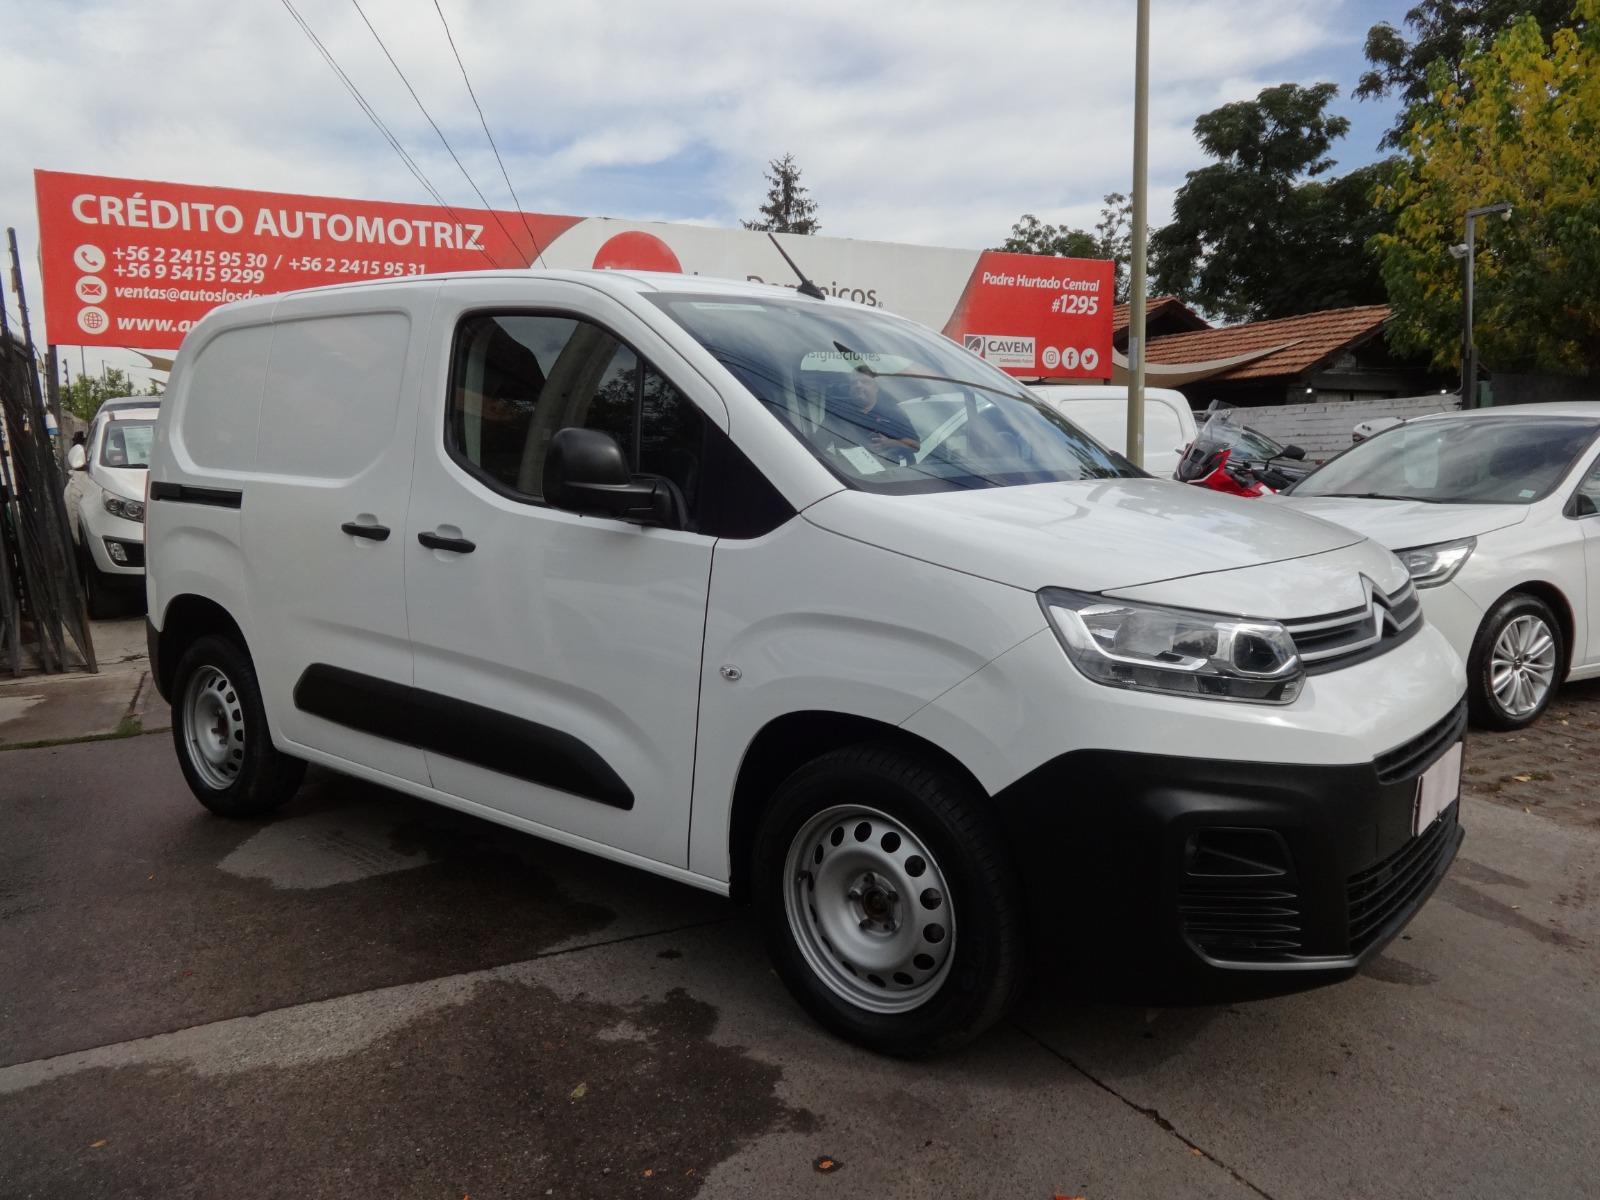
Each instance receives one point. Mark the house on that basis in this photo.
(1337, 354)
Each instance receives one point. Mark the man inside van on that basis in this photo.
(876, 422)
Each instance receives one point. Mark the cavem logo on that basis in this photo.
(1003, 350)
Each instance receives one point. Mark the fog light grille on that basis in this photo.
(1237, 901)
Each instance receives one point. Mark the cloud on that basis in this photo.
(931, 122)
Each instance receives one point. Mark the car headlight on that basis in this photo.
(1152, 649)
(128, 510)
(1433, 565)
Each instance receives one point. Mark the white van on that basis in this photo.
(794, 600)
(1102, 413)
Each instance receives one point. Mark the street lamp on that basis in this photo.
(1469, 352)
(1136, 281)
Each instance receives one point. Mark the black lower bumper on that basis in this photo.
(1181, 878)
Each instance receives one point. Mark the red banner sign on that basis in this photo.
(131, 262)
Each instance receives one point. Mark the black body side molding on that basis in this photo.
(469, 733)
(188, 494)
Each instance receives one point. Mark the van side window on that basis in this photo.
(519, 379)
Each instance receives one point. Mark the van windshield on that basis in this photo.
(886, 405)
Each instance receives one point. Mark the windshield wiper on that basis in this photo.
(1380, 496)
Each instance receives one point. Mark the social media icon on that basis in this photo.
(1091, 358)
(91, 289)
(1051, 357)
(89, 257)
(1069, 357)
(92, 319)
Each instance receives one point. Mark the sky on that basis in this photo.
(913, 120)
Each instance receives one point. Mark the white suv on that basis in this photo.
(105, 501)
(794, 600)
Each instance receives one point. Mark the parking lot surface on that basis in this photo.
(373, 997)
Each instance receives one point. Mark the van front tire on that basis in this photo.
(890, 904)
(219, 729)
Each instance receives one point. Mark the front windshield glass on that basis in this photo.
(1499, 460)
(127, 444)
(886, 405)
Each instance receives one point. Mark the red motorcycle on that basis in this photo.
(1215, 459)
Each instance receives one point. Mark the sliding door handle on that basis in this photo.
(373, 533)
(454, 545)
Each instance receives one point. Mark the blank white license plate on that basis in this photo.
(1437, 789)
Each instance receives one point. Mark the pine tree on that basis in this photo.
(788, 208)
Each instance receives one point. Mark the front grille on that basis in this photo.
(1237, 901)
(1412, 758)
(1377, 894)
(1342, 639)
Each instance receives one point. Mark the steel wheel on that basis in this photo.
(869, 909)
(1522, 665)
(213, 728)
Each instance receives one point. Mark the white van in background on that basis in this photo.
(663, 568)
(1102, 413)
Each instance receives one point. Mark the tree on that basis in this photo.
(1441, 31)
(789, 208)
(87, 393)
(1521, 124)
(1112, 238)
(1257, 234)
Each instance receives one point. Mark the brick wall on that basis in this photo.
(1322, 430)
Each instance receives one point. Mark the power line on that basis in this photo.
(377, 121)
(484, 121)
(444, 140)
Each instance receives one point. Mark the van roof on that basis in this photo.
(607, 279)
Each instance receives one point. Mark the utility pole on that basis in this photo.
(1136, 282)
(1467, 252)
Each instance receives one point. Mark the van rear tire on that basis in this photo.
(219, 729)
(889, 901)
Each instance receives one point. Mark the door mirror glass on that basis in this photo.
(77, 460)
(585, 471)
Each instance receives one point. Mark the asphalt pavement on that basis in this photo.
(368, 996)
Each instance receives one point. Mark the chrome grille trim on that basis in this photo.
(1328, 640)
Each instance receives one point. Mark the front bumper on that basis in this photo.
(1184, 878)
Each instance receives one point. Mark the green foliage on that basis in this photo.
(1442, 31)
(89, 392)
(1520, 123)
(788, 207)
(1112, 238)
(1256, 234)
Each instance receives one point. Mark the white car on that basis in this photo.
(795, 600)
(1497, 514)
(1102, 413)
(105, 501)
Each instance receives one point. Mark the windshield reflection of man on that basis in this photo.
(887, 430)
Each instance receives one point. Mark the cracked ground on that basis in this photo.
(372, 997)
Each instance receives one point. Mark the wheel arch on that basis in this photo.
(1559, 604)
(787, 743)
(185, 620)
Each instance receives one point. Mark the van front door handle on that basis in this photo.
(374, 533)
(434, 541)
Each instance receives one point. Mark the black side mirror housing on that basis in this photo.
(1291, 451)
(585, 472)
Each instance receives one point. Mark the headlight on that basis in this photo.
(128, 510)
(1172, 650)
(1432, 565)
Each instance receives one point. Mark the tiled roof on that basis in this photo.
(1305, 340)
(1154, 305)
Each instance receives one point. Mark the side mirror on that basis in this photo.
(585, 472)
(77, 459)
(1291, 451)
